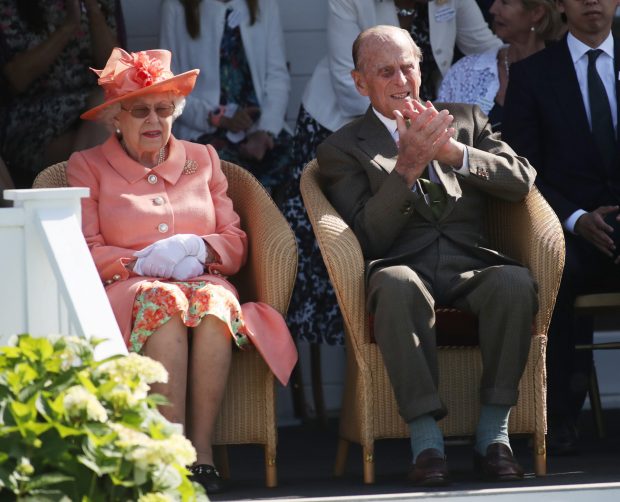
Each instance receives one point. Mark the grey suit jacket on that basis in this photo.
(392, 222)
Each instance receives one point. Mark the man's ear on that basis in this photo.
(360, 82)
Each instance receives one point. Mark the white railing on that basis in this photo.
(49, 282)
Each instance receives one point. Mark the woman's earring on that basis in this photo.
(118, 131)
(532, 28)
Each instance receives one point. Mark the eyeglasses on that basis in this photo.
(142, 111)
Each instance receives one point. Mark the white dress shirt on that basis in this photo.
(605, 67)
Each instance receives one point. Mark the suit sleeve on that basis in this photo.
(494, 166)
(109, 260)
(376, 219)
(522, 129)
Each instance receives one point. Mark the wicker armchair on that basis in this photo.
(528, 231)
(248, 414)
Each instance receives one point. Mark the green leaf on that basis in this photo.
(45, 480)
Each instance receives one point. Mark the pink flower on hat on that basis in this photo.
(148, 70)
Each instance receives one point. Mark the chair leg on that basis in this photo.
(271, 470)
(369, 464)
(595, 403)
(220, 453)
(540, 454)
(341, 457)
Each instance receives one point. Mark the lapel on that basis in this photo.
(565, 88)
(376, 141)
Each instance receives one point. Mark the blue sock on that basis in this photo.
(492, 426)
(425, 434)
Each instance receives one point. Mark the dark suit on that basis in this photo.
(415, 260)
(545, 121)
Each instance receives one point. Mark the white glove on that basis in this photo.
(160, 258)
(187, 268)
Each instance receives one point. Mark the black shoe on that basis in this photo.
(562, 439)
(208, 477)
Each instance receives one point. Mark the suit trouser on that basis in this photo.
(402, 299)
(586, 270)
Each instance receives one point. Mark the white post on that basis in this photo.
(64, 293)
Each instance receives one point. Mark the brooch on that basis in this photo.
(190, 167)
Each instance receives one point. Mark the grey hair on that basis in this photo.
(381, 33)
(109, 113)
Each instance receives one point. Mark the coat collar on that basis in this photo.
(132, 171)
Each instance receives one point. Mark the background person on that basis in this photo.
(164, 236)
(46, 48)
(239, 109)
(415, 196)
(481, 79)
(562, 114)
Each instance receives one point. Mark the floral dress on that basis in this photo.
(52, 104)
(156, 302)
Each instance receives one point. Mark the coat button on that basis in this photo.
(162, 227)
(152, 179)
(158, 201)
(116, 277)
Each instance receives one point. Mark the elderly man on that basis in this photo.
(412, 181)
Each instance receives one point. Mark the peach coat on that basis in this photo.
(131, 206)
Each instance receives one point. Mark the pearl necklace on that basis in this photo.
(162, 154)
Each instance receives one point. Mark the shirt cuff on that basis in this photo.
(464, 169)
(569, 223)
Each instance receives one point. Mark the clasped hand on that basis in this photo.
(180, 257)
(426, 137)
(593, 227)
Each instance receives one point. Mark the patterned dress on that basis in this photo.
(313, 314)
(237, 88)
(52, 104)
(156, 302)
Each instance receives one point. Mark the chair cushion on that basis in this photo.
(454, 327)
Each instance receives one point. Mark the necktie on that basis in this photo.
(435, 192)
(600, 111)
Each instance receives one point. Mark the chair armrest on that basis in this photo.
(271, 268)
(341, 253)
(530, 232)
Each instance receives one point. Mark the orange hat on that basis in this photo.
(127, 75)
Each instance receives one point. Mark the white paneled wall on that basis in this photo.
(304, 31)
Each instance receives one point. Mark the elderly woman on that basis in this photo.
(481, 79)
(163, 235)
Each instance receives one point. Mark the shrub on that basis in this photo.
(75, 429)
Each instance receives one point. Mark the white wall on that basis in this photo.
(304, 32)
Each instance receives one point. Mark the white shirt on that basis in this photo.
(392, 128)
(605, 67)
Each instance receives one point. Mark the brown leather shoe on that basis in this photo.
(499, 464)
(430, 469)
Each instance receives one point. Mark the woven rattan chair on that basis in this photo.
(248, 414)
(528, 231)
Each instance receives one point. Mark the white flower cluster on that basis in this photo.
(78, 400)
(132, 367)
(148, 452)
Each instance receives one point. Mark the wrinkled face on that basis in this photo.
(511, 21)
(389, 72)
(148, 134)
(587, 18)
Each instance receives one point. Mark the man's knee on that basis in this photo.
(516, 284)
(396, 284)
